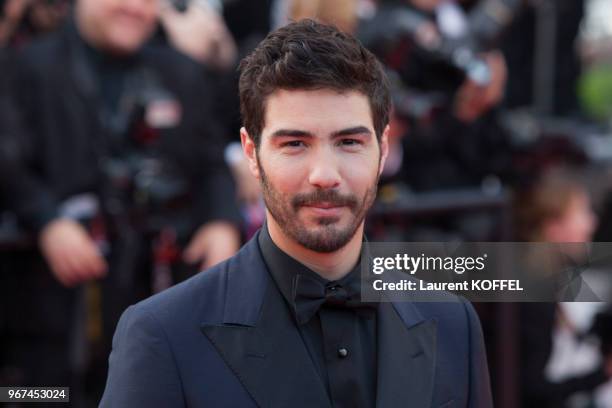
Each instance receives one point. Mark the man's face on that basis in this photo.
(577, 224)
(318, 163)
(119, 26)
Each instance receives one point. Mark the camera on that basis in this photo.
(396, 24)
(140, 181)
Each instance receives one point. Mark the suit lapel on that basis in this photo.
(259, 340)
(406, 356)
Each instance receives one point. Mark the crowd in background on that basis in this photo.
(121, 171)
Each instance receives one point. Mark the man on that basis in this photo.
(116, 145)
(280, 324)
(73, 91)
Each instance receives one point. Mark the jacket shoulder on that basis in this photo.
(232, 288)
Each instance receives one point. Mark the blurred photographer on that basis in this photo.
(555, 207)
(449, 78)
(542, 51)
(119, 167)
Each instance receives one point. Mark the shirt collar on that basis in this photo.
(284, 268)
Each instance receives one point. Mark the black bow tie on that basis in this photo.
(309, 294)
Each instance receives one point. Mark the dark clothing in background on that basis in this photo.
(518, 46)
(8, 116)
(445, 153)
(35, 331)
(249, 22)
(36, 312)
(537, 322)
(59, 97)
(329, 328)
(247, 18)
(36, 323)
(76, 110)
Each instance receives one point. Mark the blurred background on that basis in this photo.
(121, 171)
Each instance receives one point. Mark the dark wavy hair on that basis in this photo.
(308, 55)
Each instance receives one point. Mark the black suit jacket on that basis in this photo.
(55, 147)
(226, 338)
(537, 324)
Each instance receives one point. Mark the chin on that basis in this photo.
(325, 227)
(320, 223)
(124, 43)
(123, 49)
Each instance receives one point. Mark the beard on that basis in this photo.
(328, 236)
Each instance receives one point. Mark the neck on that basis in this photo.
(330, 265)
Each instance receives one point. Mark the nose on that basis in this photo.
(324, 172)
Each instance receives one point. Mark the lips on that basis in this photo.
(324, 205)
(324, 202)
(324, 209)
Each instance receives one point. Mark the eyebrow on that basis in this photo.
(292, 132)
(355, 130)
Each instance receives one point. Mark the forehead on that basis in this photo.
(319, 112)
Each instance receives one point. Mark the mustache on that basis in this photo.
(324, 196)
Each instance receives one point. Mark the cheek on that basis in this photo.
(579, 228)
(585, 225)
(285, 174)
(360, 171)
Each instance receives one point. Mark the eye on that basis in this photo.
(350, 142)
(292, 144)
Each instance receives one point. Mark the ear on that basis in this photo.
(250, 151)
(384, 149)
